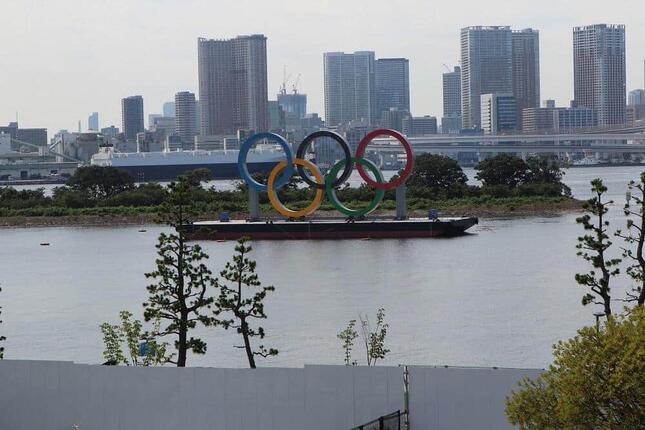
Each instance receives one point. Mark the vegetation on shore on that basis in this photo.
(597, 379)
(509, 186)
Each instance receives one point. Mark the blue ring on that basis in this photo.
(244, 170)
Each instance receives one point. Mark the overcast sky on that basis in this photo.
(60, 60)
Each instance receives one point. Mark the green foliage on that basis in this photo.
(100, 182)
(178, 294)
(14, 199)
(593, 247)
(348, 336)
(597, 381)
(374, 338)
(243, 306)
(502, 169)
(437, 173)
(149, 194)
(635, 236)
(129, 332)
(2, 338)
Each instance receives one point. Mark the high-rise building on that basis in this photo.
(110, 131)
(169, 109)
(132, 116)
(350, 87)
(498, 113)
(599, 71)
(451, 120)
(294, 106)
(419, 126)
(636, 97)
(93, 122)
(486, 67)
(393, 119)
(392, 85)
(233, 84)
(526, 70)
(185, 116)
(452, 92)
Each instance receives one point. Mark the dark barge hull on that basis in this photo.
(329, 229)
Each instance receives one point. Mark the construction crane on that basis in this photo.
(295, 84)
(285, 80)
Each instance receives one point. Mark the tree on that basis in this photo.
(635, 235)
(374, 340)
(543, 170)
(348, 336)
(142, 349)
(597, 381)
(243, 306)
(502, 169)
(436, 172)
(197, 176)
(2, 338)
(178, 295)
(593, 247)
(100, 182)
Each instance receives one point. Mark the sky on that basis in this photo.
(60, 60)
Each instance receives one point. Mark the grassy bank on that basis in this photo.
(483, 206)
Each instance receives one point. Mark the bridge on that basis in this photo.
(539, 143)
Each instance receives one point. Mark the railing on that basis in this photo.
(386, 422)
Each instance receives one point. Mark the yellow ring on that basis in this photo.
(277, 204)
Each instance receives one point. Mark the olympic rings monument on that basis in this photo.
(297, 224)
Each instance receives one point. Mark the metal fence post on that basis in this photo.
(254, 205)
(401, 207)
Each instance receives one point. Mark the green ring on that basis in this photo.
(331, 192)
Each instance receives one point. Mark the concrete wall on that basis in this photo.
(461, 398)
(58, 395)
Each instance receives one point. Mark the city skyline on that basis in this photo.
(427, 37)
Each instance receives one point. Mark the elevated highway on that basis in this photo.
(556, 143)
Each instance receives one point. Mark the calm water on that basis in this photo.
(500, 296)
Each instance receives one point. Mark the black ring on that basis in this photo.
(349, 165)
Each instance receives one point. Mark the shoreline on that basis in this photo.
(485, 211)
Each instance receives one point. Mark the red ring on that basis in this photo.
(409, 164)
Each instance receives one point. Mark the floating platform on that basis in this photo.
(329, 228)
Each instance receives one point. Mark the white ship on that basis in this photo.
(167, 165)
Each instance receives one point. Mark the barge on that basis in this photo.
(329, 228)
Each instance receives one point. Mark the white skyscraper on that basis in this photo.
(350, 87)
(233, 84)
(185, 116)
(599, 71)
(486, 67)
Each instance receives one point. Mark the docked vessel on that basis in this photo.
(167, 165)
(329, 228)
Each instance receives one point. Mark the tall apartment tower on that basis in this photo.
(233, 84)
(486, 67)
(392, 85)
(186, 116)
(452, 92)
(526, 70)
(93, 122)
(599, 71)
(350, 87)
(132, 116)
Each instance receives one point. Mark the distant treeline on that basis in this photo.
(101, 190)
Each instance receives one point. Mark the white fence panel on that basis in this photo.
(461, 398)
